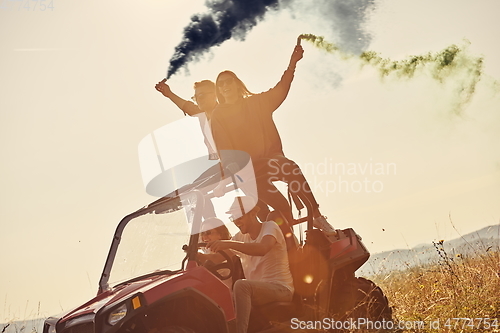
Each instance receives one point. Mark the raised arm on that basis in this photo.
(286, 79)
(187, 107)
(277, 95)
(298, 53)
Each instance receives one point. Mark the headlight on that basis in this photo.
(117, 314)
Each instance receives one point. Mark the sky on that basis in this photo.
(390, 158)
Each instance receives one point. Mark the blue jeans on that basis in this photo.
(249, 292)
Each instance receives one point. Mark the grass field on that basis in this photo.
(459, 293)
(456, 293)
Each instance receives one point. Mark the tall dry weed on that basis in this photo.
(458, 292)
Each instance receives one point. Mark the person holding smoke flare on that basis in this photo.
(204, 96)
(243, 121)
(206, 99)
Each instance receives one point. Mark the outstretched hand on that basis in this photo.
(298, 53)
(219, 245)
(163, 88)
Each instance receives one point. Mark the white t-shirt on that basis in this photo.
(273, 266)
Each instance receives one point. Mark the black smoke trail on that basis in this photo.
(350, 16)
(345, 19)
(224, 20)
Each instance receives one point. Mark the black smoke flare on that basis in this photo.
(225, 19)
(345, 19)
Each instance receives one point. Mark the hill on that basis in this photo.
(472, 244)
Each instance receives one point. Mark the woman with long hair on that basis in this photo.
(244, 121)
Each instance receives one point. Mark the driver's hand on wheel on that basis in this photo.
(219, 245)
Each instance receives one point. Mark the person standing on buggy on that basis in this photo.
(206, 101)
(244, 121)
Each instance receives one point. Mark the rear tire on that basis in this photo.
(359, 298)
(371, 303)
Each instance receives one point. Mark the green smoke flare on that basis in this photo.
(451, 63)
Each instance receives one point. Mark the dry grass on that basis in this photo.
(23, 326)
(457, 292)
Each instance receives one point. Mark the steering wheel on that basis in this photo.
(214, 268)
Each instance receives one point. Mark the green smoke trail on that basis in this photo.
(451, 63)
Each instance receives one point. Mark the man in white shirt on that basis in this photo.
(262, 249)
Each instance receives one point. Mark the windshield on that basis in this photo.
(152, 241)
(149, 243)
(152, 238)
